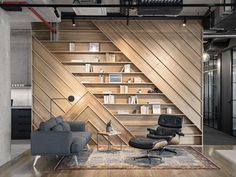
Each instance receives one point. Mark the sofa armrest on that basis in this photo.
(77, 126)
(51, 142)
(151, 131)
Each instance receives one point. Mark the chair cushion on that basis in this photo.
(86, 135)
(59, 119)
(58, 127)
(65, 126)
(158, 137)
(170, 121)
(144, 143)
(48, 125)
(78, 144)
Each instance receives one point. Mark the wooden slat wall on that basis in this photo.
(52, 80)
(168, 54)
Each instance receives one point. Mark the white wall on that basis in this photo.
(5, 88)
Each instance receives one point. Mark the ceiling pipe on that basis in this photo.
(46, 23)
(118, 5)
(219, 36)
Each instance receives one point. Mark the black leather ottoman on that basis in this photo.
(149, 145)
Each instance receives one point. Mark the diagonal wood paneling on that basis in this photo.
(165, 70)
(51, 79)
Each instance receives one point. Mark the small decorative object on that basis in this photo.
(155, 90)
(109, 127)
(94, 47)
(139, 91)
(129, 81)
(71, 46)
(168, 110)
(115, 78)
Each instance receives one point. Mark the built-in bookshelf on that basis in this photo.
(73, 50)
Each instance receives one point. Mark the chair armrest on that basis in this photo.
(51, 142)
(180, 133)
(151, 131)
(77, 126)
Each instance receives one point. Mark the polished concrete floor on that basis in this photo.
(215, 137)
(22, 167)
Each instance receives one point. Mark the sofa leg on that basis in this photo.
(88, 147)
(36, 159)
(76, 160)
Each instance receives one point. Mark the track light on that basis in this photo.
(73, 22)
(56, 12)
(184, 22)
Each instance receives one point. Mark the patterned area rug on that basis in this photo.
(186, 158)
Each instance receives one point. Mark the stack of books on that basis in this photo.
(109, 99)
(88, 68)
(156, 109)
(124, 89)
(133, 99)
(144, 109)
(126, 68)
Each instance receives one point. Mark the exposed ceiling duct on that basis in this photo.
(216, 45)
(175, 7)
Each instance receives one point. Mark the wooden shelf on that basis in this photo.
(146, 114)
(128, 94)
(117, 84)
(107, 73)
(145, 104)
(85, 52)
(95, 63)
(75, 41)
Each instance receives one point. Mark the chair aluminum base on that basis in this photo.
(149, 157)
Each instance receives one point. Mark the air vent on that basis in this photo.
(90, 11)
(168, 10)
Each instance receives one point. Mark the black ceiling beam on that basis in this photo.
(118, 5)
(111, 16)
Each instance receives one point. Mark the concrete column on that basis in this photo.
(5, 88)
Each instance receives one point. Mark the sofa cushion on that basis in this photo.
(59, 119)
(58, 127)
(86, 135)
(65, 126)
(48, 125)
(78, 144)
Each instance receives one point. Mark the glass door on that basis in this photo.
(211, 93)
(234, 91)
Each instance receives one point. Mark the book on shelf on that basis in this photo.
(126, 68)
(106, 92)
(94, 47)
(84, 82)
(168, 110)
(124, 89)
(109, 99)
(110, 57)
(156, 109)
(122, 112)
(144, 109)
(78, 61)
(71, 47)
(88, 68)
(133, 99)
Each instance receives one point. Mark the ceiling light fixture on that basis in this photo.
(184, 22)
(73, 22)
(56, 12)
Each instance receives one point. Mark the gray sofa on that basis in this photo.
(59, 138)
